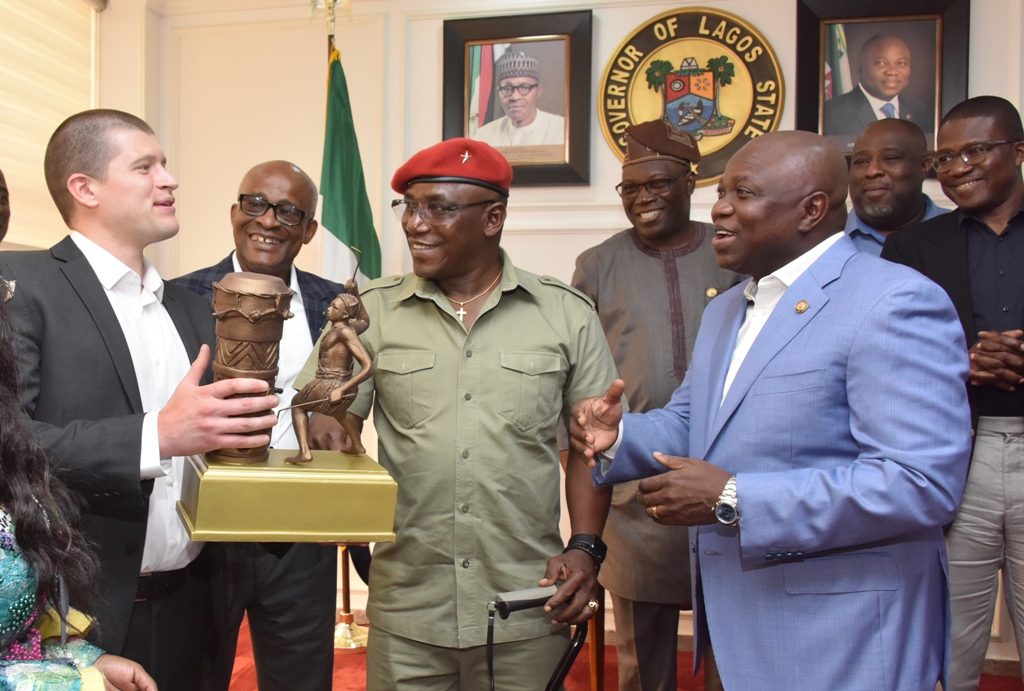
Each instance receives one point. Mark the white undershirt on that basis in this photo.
(160, 363)
(296, 345)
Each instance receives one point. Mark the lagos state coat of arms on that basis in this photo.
(707, 72)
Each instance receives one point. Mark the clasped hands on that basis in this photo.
(997, 359)
(685, 494)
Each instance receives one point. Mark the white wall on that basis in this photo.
(229, 83)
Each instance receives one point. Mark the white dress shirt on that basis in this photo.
(296, 345)
(763, 297)
(877, 103)
(160, 363)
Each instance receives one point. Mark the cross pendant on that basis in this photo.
(462, 313)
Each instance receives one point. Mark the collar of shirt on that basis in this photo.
(428, 290)
(788, 274)
(855, 225)
(877, 103)
(293, 279)
(969, 220)
(111, 271)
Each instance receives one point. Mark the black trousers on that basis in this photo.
(289, 593)
(169, 635)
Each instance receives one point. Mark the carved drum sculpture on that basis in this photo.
(250, 310)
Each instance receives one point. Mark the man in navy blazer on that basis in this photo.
(288, 590)
(884, 73)
(104, 347)
(818, 443)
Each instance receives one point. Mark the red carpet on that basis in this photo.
(350, 674)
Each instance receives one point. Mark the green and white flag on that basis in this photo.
(346, 211)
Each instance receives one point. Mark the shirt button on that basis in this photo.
(469, 353)
(469, 397)
(465, 563)
(465, 454)
(465, 508)
(1006, 308)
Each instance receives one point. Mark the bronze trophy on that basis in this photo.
(250, 310)
(288, 495)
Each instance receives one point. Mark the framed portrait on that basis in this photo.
(865, 60)
(522, 84)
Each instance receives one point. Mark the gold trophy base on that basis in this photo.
(334, 498)
(348, 635)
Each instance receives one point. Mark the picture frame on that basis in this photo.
(554, 51)
(935, 34)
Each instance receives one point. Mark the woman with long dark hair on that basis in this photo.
(44, 563)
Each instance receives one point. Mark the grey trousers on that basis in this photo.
(987, 536)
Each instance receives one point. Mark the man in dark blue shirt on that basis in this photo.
(976, 254)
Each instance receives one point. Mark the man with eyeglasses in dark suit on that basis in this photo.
(524, 124)
(288, 590)
(976, 255)
(650, 285)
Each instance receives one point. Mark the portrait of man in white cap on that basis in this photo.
(518, 77)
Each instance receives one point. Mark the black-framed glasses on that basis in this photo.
(628, 190)
(431, 212)
(972, 154)
(255, 205)
(521, 89)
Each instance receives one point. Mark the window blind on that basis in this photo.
(47, 72)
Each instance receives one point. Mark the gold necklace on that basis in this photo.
(462, 303)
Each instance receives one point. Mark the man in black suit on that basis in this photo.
(976, 254)
(884, 72)
(103, 348)
(288, 590)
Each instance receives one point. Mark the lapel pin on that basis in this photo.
(801, 306)
(711, 292)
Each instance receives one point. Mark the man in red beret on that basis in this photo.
(664, 263)
(476, 363)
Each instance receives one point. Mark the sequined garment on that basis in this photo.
(28, 661)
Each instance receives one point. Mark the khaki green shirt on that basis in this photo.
(466, 425)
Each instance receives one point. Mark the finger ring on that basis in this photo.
(654, 512)
(594, 605)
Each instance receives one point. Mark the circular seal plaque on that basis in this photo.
(707, 72)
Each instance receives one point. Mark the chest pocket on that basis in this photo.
(531, 386)
(404, 380)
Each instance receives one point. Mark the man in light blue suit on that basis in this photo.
(818, 444)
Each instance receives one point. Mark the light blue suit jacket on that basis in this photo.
(848, 430)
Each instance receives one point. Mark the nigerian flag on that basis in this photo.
(346, 212)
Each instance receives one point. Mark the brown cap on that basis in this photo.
(657, 139)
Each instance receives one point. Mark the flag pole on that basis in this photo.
(348, 635)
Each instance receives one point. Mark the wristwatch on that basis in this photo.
(727, 510)
(591, 544)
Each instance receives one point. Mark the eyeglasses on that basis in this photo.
(942, 161)
(521, 89)
(432, 212)
(255, 205)
(628, 190)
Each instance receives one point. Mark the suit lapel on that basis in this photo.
(179, 315)
(785, 322)
(84, 282)
(947, 266)
(721, 349)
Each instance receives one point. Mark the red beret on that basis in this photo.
(456, 160)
